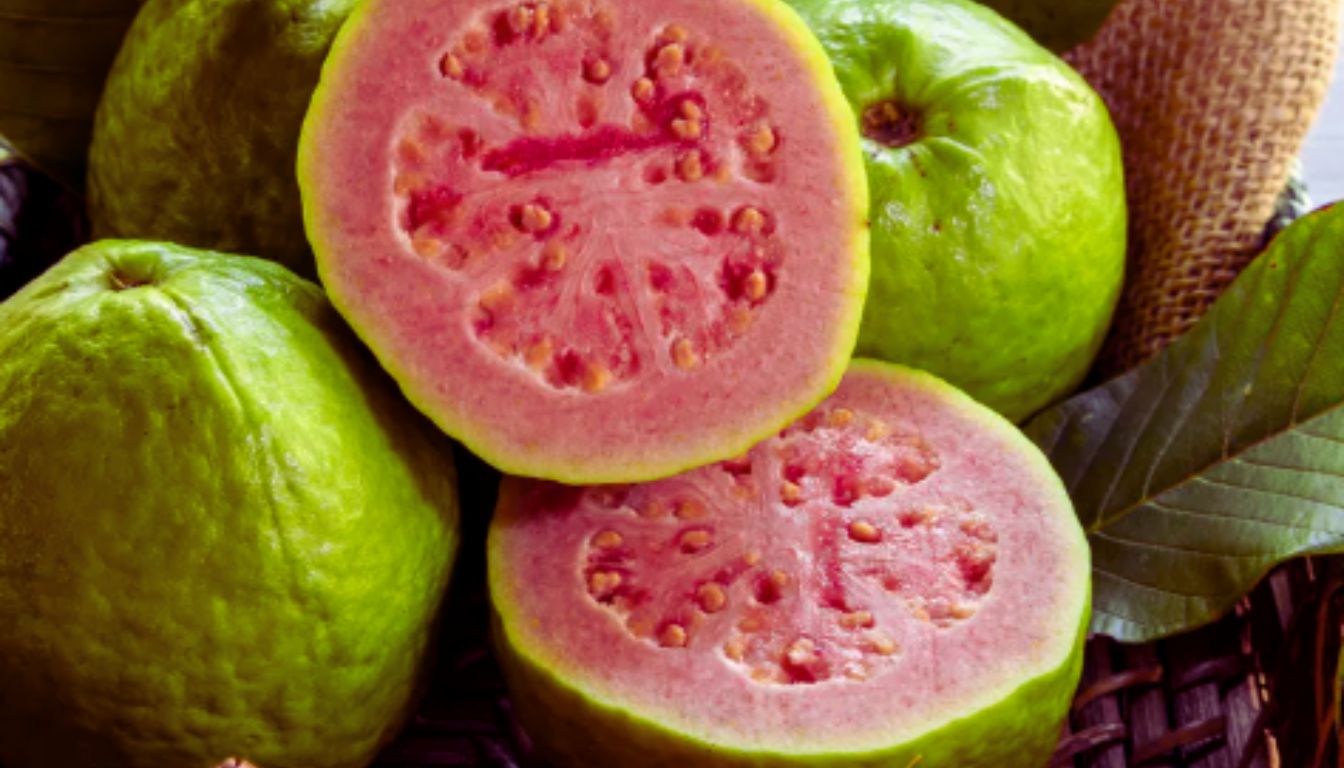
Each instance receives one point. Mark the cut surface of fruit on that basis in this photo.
(897, 574)
(594, 240)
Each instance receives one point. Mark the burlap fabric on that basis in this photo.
(1213, 99)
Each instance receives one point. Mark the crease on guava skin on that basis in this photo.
(203, 336)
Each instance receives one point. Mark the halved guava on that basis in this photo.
(596, 241)
(896, 579)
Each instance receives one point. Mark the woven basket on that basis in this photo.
(1213, 99)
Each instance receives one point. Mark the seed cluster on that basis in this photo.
(696, 121)
(889, 561)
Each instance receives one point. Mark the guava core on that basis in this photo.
(896, 579)
(222, 531)
(998, 197)
(594, 240)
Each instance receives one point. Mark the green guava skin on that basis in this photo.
(222, 531)
(998, 239)
(196, 136)
(572, 727)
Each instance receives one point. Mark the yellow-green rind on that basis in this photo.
(222, 532)
(195, 133)
(629, 466)
(572, 724)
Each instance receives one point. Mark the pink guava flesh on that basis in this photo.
(893, 560)
(592, 239)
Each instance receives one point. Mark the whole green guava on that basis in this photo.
(222, 530)
(998, 200)
(196, 136)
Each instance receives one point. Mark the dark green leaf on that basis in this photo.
(1224, 456)
(1057, 24)
(54, 57)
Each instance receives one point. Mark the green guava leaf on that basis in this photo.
(54, 57)
(1222, 457)
(1057, 24)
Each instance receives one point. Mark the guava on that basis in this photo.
(195, 136)
(595, 241)
(998, 198)
(896, 579)
(222, 531)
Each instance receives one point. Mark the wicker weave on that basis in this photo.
(1213, 99)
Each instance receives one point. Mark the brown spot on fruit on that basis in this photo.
(450, 66)
(643, 90)
(756, 285)
(684, 355)
(881, 643)
(739, 319)
(690, 509)
(674, 33)
(410, 152)
(539, 353)
(864, 532)
(879, 487)
(752, 557)
(553, 256)
(608, 539)
(690, 167)
(919, 515)
(475, 41)
(840, 417)
(541, 20)
(876, 431)
(673, 635)
(711, 597)
(694, 541)
(735, 649)
(520, 20)
(857, 620)
(597, 71)
(498, 298)
(654, 509)
(596, 378)
(790, 493)
(749, 221)
(602, 585)
(761, 141)
(534, 218)
(687, 129)
(801, 652)
(669, 59)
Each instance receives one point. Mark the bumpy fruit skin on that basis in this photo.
(571, 725)
(195, 137)
(222, 531)
(999, 232)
